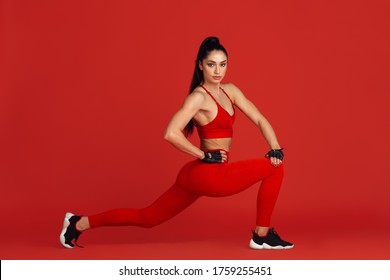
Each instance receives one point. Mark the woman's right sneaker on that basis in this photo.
(69, 231)
(271, 241)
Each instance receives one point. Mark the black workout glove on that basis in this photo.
(212, 157)
(276, 153)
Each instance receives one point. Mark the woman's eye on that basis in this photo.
(210, 65)
(223, 64)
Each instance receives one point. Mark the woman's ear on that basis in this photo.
(200, 65)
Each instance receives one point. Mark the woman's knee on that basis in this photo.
(280, 168)
(277, 170)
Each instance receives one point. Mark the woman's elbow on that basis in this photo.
(169, 136)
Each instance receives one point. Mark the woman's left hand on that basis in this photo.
(276, 156)
(275, 161)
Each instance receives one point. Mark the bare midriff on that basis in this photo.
(215, 144)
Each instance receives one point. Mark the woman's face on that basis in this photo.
(214, 67)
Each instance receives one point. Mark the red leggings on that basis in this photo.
(198, 179)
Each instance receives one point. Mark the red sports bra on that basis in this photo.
(221, 126)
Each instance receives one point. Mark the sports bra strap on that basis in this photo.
(226, 95)
(209, 94)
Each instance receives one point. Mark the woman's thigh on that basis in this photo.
(226, 178)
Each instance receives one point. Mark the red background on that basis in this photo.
(88, 87)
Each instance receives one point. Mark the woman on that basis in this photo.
(209, 107)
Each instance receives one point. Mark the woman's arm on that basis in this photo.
(250, 110)
(174, 131)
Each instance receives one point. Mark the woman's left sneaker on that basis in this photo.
(271, 241)
(69, 231)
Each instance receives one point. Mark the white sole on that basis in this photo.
(64, 227)
(265, 246)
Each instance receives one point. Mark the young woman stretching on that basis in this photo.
(210, 108)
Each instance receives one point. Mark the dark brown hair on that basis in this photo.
(208, 45)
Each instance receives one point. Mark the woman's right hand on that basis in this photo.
(215, 156)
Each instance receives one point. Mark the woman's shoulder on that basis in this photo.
(198, 95)
(231, 89)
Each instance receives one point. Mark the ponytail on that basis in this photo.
(208, 45)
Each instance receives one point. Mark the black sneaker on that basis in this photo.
(271, 241)
(69, 231)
